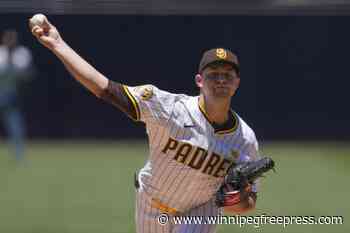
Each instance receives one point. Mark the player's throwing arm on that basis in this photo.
(48, 35)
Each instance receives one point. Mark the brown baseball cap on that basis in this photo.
(218, 55)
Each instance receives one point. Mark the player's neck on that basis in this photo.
(217, 111)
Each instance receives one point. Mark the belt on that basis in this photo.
(162, 207)
(155, 202)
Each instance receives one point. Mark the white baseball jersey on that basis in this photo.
(188, 157)
(13, 65)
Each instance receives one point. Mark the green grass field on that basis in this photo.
(76, 187)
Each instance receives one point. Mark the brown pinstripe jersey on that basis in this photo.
(188, 157)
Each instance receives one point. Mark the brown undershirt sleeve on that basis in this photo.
(115, 94)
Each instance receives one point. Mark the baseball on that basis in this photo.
(38, 19)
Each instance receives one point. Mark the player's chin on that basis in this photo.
(222, 94)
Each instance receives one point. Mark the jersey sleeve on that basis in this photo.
(151, 103)
(251, 154)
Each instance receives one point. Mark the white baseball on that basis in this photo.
(38, 19)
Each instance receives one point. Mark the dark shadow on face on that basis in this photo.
(220, 81)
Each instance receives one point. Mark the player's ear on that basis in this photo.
(199, 80)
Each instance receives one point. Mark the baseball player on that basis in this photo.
(193, 140)
(16, 67)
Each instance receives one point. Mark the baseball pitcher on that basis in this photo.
(193, 140)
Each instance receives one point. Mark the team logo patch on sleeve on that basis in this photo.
(145, 91)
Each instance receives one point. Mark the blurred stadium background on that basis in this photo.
(81, 153)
